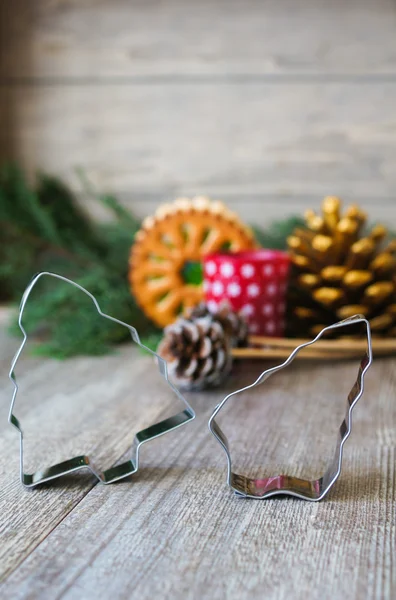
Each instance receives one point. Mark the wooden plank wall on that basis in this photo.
(268, 105)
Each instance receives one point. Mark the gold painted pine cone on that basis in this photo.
(179, 234)
(341, 269)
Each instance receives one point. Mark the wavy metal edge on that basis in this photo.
(314, 490)
(84, 462)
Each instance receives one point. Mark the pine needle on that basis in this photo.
(45, 229)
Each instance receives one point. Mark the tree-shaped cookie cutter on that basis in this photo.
(84, 462)
(284, 484)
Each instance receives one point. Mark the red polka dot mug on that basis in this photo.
(254, 283)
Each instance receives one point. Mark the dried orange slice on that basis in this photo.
(178, 235)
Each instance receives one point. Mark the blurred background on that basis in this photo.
(268, 105)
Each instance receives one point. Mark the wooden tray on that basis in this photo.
(345, 348)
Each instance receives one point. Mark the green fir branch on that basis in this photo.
(44, 228)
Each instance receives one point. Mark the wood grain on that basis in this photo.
(159, 99)
(99, 39)
(65, 412)
(278, 353)
(269, 106)
(270, 150)
(262, 347)
(345, 343)
(175, 530)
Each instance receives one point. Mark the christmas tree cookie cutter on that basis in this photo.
(84, 462)
(284, 484)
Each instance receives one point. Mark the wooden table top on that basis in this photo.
(174, 529)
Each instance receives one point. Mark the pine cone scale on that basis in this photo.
(198, 346)
(337, 270)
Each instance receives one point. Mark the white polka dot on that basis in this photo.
(227, 270)
(247, 270)
(268, 309)
(206, 286)
(268, 270)
(283, 288)
(253, 290)
(210, 268)
(253, 328)
(233, 290)
(217, 288)
(281, 308)
(270, 327)
(271, 289)
(248, 310)
(212, 305)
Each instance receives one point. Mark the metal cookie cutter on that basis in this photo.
(284, 484)
(83, 462)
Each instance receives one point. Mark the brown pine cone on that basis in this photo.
(234, 324)
(197, 351)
